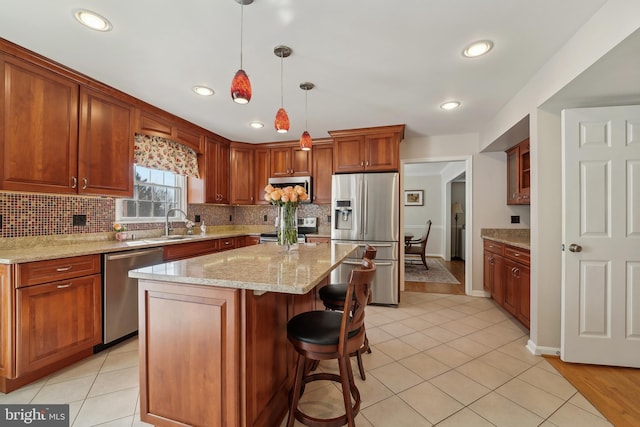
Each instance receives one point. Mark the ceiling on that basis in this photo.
(373, 62)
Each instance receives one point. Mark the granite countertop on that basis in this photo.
(21, 250)
(263, 268)
(518, 237)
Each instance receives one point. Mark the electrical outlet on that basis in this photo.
(515, 219)
(79, 220)
(230, 218)
(329, 219)
(197, 218)
(264, 218)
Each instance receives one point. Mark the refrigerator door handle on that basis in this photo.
(366, 205)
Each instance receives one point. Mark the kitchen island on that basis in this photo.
(212, 332)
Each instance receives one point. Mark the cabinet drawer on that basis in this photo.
(494, 247)
(191, 249)
(226, 244)
(33, 273)
(517, 254)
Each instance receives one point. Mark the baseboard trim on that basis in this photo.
(478, 293)
(542, 350)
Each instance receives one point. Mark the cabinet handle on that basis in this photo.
(65, 286)
(85, 181)
(61, 269)
(366, 163)
(362, 163)
(516, 254)
(74, 182)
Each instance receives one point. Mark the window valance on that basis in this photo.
(163, 154)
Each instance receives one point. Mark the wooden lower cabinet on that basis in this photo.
(215, 356)
(50, 317)
(56, 320)
(318, 240)
(507, 277)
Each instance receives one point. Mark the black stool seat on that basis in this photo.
(317, 327)
(333, 295)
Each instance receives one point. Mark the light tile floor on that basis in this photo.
(445, 360)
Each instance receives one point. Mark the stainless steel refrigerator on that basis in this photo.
(365, 209)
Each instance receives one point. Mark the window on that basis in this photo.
(154, 193)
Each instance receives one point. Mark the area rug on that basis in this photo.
(437, 273)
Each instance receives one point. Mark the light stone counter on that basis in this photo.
(27, 249)
(264, 268)
(518, 237)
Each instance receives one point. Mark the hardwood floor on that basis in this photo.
(455, 267)
(614, 391)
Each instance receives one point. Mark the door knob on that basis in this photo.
(575, 248)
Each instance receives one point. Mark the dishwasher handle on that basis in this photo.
(133, 254)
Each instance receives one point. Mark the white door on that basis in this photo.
(601, 236)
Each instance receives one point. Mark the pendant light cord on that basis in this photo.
(282, 79)
(241, 27)
(306, 109)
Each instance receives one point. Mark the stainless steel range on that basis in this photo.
(308, 225)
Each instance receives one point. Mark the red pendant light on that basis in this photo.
(305, 140)
(240, 85)
(281, 122)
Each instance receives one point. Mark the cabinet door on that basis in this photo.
(524, 172)
(510, 287)
(56, 320)
(487, 272)
(7, 326)
(523, 275)
(513, 192)
(348, 154)
(261, 175)
(39, 125)
(242, 169)
(106, 145)
(381, 152)
(280, 159)
(498, 286)
(322, 171)
(217, 170)
(222, 175)
(301, 162)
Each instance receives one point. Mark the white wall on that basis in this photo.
(616, 20)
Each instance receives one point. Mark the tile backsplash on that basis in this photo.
(26, 214)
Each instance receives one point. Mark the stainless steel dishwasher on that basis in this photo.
(120, 292)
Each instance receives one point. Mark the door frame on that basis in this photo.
(468, 213)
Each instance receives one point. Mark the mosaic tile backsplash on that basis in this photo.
(25, 214)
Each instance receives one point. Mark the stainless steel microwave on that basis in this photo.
(303, 181)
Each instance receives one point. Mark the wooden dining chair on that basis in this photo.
(419, 246)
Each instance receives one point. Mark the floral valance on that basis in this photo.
(163, 154)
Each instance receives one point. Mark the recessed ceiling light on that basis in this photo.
(93, 20)
(477, 48)
(203, 90)
(256, 125)
(450, 105)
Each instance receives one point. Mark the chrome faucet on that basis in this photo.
(167, 229)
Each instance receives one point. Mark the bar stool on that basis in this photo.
(332, 297)
(324, 335)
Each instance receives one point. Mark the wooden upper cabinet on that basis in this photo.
(290, 161)
(323, 170)
(105, 145)
(217, 158)
(261, 174)
(242, 170)
(519, 174)
(149, 123)
(367, 150)
(39, 125)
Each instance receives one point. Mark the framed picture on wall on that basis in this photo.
(413, 197)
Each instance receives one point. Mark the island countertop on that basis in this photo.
(264, 268)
